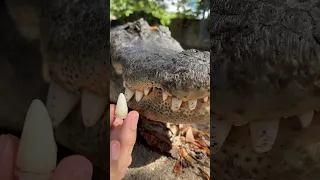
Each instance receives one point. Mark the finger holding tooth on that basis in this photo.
(37, 153)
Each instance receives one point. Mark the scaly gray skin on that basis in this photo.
(265, 60)
(74, 39)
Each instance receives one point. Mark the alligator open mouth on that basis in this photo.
(168, 84)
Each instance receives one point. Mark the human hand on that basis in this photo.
(122, 139)
(73, 167)
(34, 155)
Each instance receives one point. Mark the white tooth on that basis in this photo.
(164, 96)
(128, 94)
(124, 84)
(220, 132)
(306, 119)
(263, 134)
(192, 104)
(121, 107)
(92, 107)
(60, 103)
(37, 152)
(175, 104)
(205, 99)
(138, 95)
(146, 91)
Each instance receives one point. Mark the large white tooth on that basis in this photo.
(175, 104)
(92, 107)
(263, 134)
(164, 95)
(60, 103)
(146, 91)
(128, 94)
(192, 104)
(220, 132)
(138, 95)
(121, 108)
(306, 118)
(205, 99)
(37, 152)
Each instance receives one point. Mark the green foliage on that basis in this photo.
(123, 8)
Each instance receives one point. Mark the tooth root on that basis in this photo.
(263, 134)
(121, 108)
(60, 103)
(205, 99)
(146, 91)
(37, 152)
(306, 119)
(128, 94)
(175, 104)
(220, 133)
(138, 95)
(164, 96)
(192, 104)
(92, 107)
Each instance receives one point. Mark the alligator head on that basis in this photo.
(265, 67)
(169, 84)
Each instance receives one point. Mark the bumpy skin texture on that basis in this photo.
(265, 58)
(75, 44)
(264, 66)
(153, 59)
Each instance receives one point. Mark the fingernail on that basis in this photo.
(83, 174)
(115, 150)
(134, 121)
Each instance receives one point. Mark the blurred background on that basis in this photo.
(188, 20)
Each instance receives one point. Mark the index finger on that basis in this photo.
(8, 149)
(112, 111)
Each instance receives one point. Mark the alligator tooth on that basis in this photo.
(37, 152)
(128, 94)
(263, 134)
(92, 107)
(60, 102)
(146, 91)
(220, 133)
(124, 84)
(192, 104)
(306, 119)
(205, 99)
(175, 104)
(138, 95)
(164, 95)
(121, 107)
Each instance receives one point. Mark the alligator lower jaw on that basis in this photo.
(263, 132)
(158, 105)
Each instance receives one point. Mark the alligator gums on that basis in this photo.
(167, 85)
(265, 67)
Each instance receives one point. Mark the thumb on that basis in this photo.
(74, 167)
